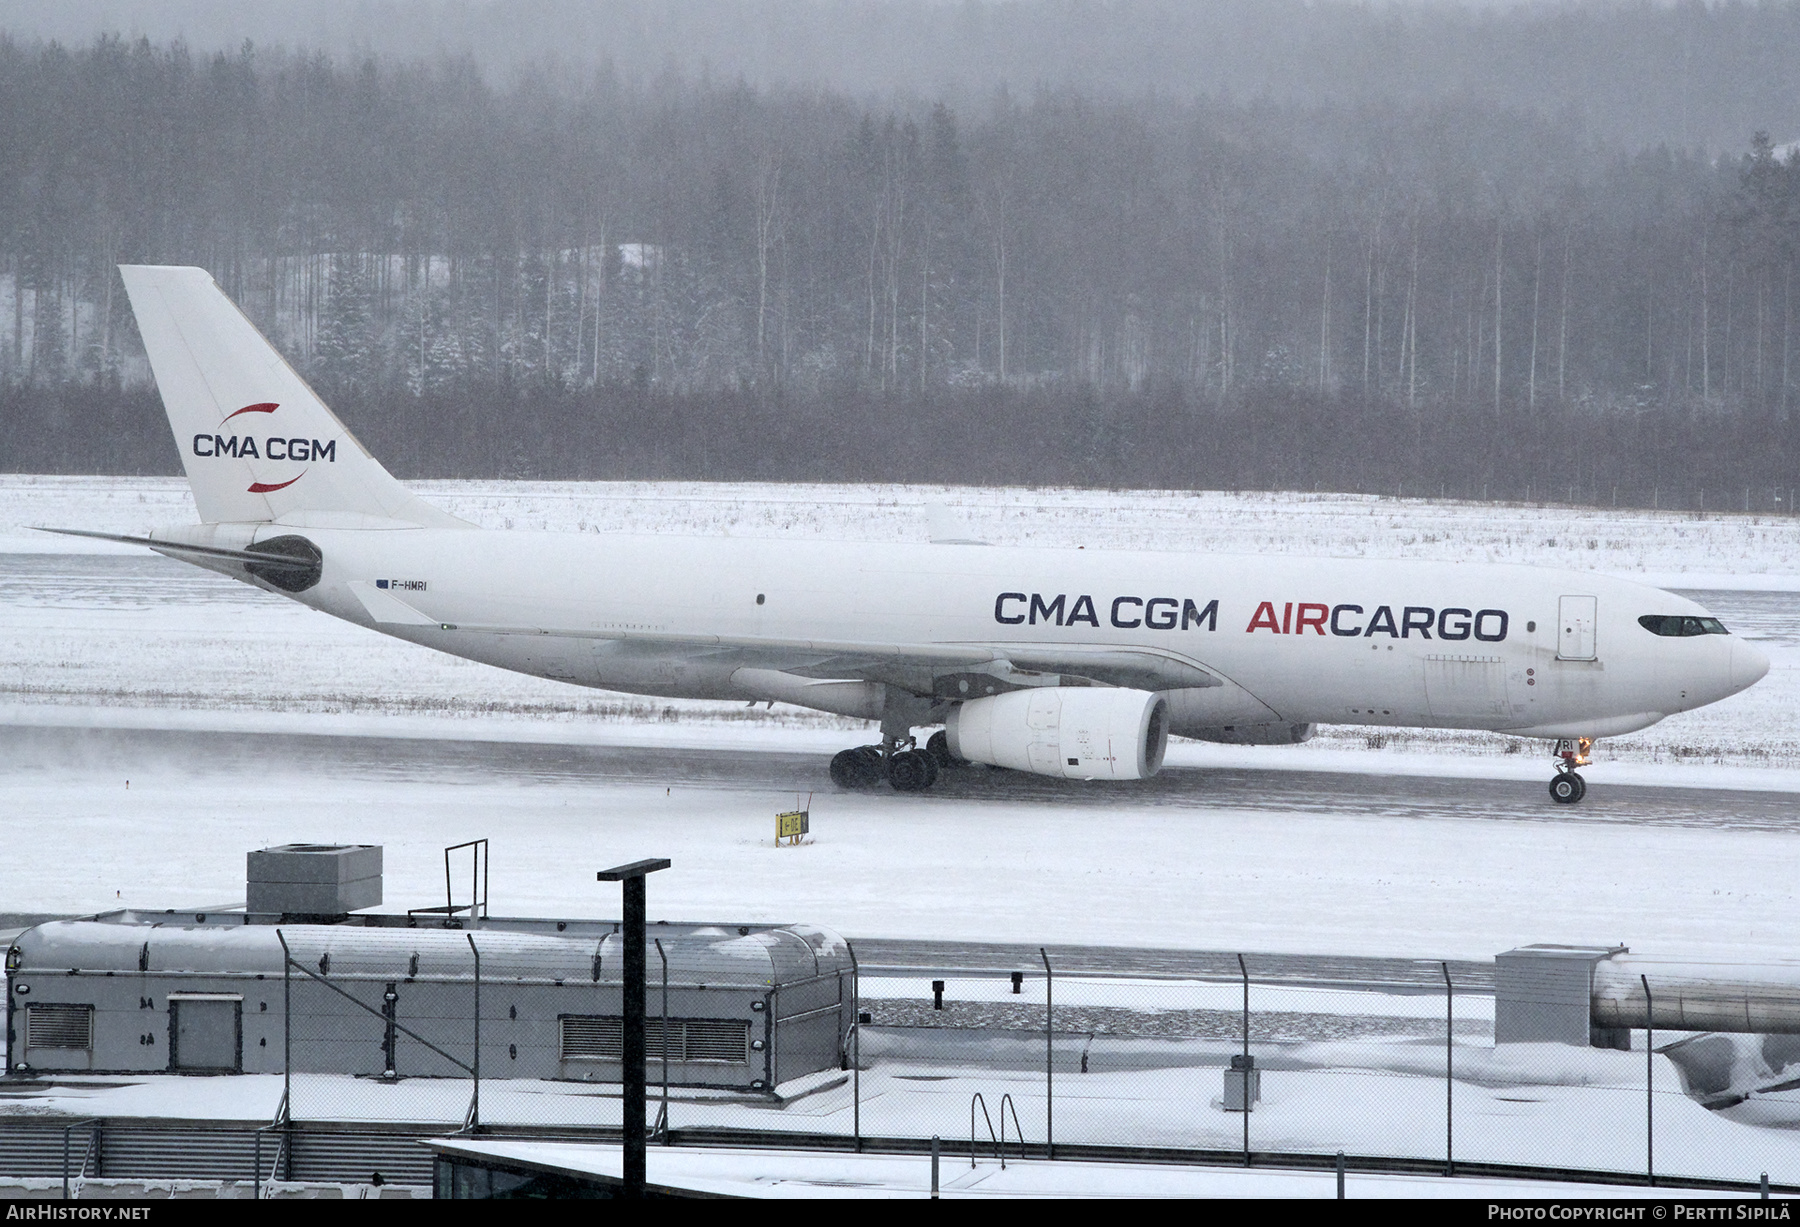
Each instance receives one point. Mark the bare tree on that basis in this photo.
(768, 211)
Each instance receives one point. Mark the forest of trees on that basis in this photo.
(1631, 73)
(583, 272)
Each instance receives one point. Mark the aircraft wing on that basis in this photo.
(942, 670)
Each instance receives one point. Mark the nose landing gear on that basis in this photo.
(1566, 786)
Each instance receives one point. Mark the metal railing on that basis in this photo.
(90, 1152)
(974, 1101)
(1147, 1051)
(1007, 1105)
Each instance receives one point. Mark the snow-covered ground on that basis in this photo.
(1714, 550)
(157, 721)
(798, 1174)
(1544, 1105)
(1382, 871)
(128, 640)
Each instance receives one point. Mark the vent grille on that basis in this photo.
(592, 1039)
(49, 1025)
(602, 1038)
(715, 1039)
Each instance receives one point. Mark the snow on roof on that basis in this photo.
(765, 958)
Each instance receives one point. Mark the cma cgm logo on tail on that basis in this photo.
(271, 447)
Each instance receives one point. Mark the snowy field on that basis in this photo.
(104, 638)
(1543, 1105)
(1198, 858)
(796, 1174)
(157, 721)
(1680, 548)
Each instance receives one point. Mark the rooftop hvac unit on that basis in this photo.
(314, 880)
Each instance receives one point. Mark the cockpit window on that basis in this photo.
(1676, 626)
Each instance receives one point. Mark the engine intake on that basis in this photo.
(1074, 733)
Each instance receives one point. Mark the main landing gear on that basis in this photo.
(1566, 786)
(897, 760)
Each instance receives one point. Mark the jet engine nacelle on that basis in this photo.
(1076, 733)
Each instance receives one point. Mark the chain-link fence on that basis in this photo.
(381, 1031)
(1009, 1062)
(446, 1031)
(1256, 1071)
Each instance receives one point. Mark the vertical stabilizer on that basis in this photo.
(257, 443)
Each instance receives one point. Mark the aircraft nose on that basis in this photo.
(1748, 665)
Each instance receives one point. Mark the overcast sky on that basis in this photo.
(826, 40)
(1631, 74)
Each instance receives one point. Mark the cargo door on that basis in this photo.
(1575, 628)
(206, 1033)
(1467, 688)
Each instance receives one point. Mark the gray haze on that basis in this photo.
(1489, 251)
(1631, 72)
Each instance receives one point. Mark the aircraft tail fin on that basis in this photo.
(257, 443)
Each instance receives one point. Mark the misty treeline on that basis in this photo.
(585, 273)
(1633, 73)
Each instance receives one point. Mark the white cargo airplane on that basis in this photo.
(1066, 663)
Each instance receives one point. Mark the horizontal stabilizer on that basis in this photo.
(261, 559)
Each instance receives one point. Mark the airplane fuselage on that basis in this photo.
(1343, 641)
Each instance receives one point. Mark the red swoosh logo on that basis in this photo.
(263, 488)
(264, 407)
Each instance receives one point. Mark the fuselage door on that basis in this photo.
(1467, 688)
(1575, 628)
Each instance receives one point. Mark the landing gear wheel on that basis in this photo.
(1567, 788)
(912, 771)
(856, 769)
(938, 746)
